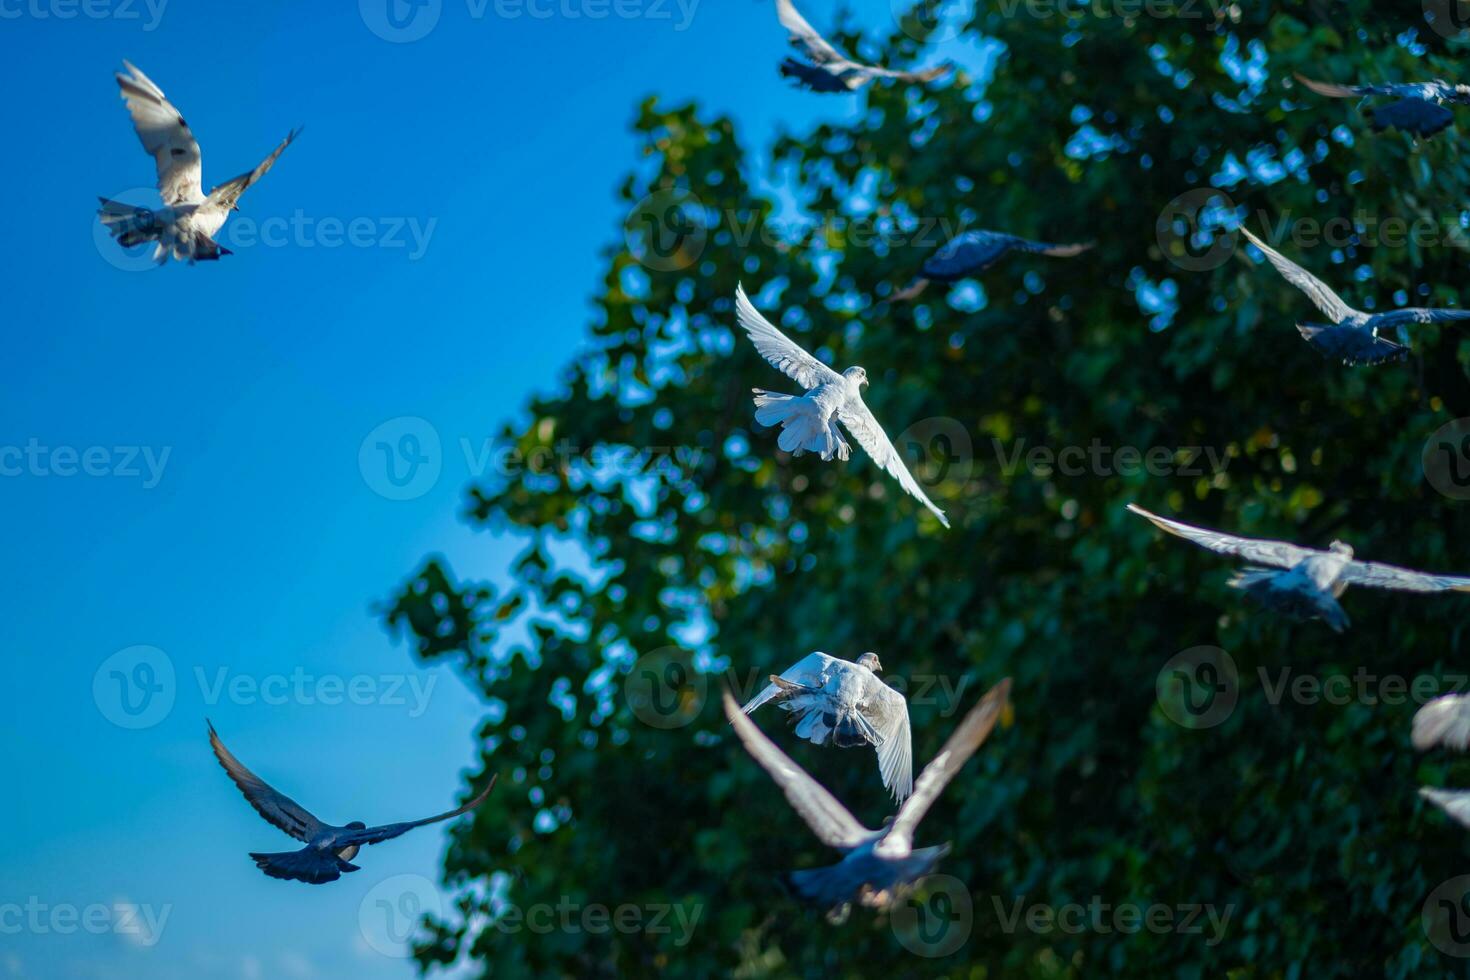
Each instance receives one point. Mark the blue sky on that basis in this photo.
(226, 525)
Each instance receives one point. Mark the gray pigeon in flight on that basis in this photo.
(1445, 721)
(842, 703)
(1355, 337)
(972, 252)
(1419, 108)
(809, 422)
(1312, 580)
(329, 849)
(185, 226)
(826, 70)
(878, 867)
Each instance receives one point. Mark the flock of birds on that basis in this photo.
(833, 701)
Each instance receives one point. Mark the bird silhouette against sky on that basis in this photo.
(329, 849)
(828, 70)
(1312, 580)
(809, 422)
(185, 226)
(878, 867)
(1355, 337)
(1419, 108)
(842, 703)
(972, 252)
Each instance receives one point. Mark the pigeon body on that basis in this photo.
(972, 252)
(329, 849)
(809, 421)
(1445, 721)
(1354, 337)
(1304, 583)
(878, 867)
(828, 71)
(842, 703)
(184, 228)
(1419, 108)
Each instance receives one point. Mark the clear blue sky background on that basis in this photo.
(262, 548)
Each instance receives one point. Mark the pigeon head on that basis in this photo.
(856, 375)
(1341, 548)
(870, 661)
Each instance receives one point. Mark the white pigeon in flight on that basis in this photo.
(185, 226)
(842, 703)
(826, 69)
(809, 422)
(1445, 721)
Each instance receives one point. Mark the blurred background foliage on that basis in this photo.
(1302, 817)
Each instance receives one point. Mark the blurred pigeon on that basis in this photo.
(1355, 338)
(1455, 802)
(1419, 108)
(973, 252)
(185, 226)
(878, 867)
(328, 848)
(1313, 580)
(1443, 721)
(809, 422)
(842, 703)
(829, 71)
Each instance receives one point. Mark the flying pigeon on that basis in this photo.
(809, 422)
(829, 71)
(1419, 108)
(973, 252)
(1313, 579)
(328, 848)
(1356, 336)
(843, 703)
(1445, 721)
(187, 223)
(878, 867)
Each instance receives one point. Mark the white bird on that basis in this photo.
(809, 422)
(878, 867)
(829, 71)
(185, 226)
(1455, 802)
(845, 704)
(1445, 721)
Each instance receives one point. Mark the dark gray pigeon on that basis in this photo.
(975, 251)
(1355, 336)
(1419, 108)
(1313, 580)
(328, 849)
(878, 867)
(826, 70)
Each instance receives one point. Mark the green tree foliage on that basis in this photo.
(1300, 817)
